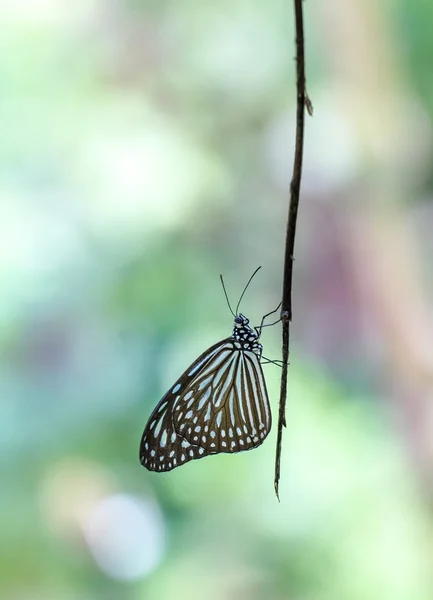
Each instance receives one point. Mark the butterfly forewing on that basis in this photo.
(162, 448)
(220, 404)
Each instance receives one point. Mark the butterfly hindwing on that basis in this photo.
(226, 408)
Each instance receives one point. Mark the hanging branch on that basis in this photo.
(295, 185)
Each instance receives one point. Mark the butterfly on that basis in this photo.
(218, 405)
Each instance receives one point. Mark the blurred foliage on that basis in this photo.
(137, 163)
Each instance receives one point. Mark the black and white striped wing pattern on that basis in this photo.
(220, 404)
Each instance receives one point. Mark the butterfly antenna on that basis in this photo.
(225, 294)
(245, 288)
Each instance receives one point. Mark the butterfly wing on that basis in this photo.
(161, 448)
(220, 404)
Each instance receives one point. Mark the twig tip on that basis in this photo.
(277, 492)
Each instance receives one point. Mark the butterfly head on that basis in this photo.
(241, 321)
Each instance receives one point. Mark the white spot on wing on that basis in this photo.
(158, 427)
(204, 383)
(197, 366)
(204, 398)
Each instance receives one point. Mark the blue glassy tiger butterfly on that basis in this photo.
(219, 404)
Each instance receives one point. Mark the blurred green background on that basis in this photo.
(146, 147)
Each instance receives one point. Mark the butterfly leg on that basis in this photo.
(259, 329)
(269, 361)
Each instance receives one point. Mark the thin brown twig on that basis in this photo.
(295, 186)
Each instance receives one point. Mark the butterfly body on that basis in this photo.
(219, 405)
